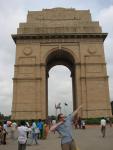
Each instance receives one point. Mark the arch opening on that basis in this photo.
(59, 90)
(60, 61)
(60, 57)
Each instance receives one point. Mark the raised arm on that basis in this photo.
(76, 111)
(55, 126)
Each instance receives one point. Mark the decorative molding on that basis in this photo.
(56, 41)
(97, 77)
(61, 36)
(27, 65)
(24, 111)
(97, 63)
(27, 51)
(95, 109)
(92, 51)
(27, 78)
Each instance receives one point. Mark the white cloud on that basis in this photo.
(105, 18)
(10, 16)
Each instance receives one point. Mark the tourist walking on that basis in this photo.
(40, 127)
(22, 136)
(1, 134)
(83, 125)
(5, 132)
(64, 128)
(34, 133)
(13, 129)
(103, 126)
(79, 122)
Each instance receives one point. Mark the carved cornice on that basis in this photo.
(101, 109)
(59, 36)
(30, 65)
(96, 63)
(44, 65)
(25, 111)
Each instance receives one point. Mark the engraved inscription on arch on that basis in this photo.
(26, 71)
(27, 60)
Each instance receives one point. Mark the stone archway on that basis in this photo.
(59, 36)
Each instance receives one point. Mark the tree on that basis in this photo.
(1, 116)
(112, 107)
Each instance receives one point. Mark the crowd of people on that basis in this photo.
(79, 123)
(29, 132)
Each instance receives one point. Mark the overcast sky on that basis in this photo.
(12, 12)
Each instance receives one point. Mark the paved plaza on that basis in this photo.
(88, 139)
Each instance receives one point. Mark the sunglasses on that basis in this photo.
(62, 117)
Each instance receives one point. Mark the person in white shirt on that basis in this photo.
(13, 129)
(103, 126)
(22, 136)
(34, 132)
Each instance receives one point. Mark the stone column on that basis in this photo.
(77, 86)
(43, 92)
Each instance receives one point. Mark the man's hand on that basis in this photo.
(79, 107)
(76, 111)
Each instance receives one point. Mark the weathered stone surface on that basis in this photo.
(60, 36)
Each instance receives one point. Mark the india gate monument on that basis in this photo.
(60, 36)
